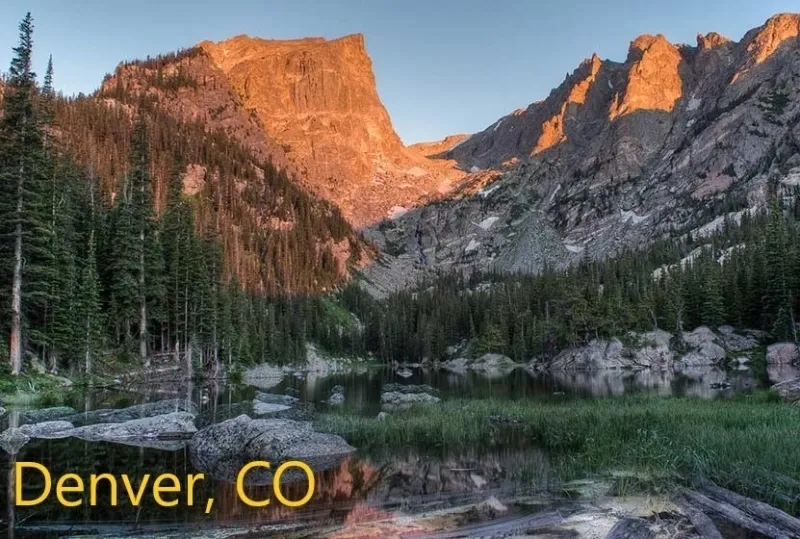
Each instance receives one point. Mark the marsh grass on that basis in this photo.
(748, 443)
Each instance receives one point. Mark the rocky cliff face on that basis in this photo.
(620, 154)
(318, 99)
(311, 107)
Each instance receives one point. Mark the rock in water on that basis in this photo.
(263, 376)
(13, 439)
(272, 398)
(223, 449)
(139, 411)
(782, 353)
(337, 396)
(45, 414)
(144, 432)
(48, 429)
(264, 408)
(397, 402)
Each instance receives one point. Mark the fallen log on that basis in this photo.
(760, 510)
(736, 516)
(702, 523)
(630, 528)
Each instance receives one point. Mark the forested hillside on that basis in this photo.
(748, 276)
(125, 232)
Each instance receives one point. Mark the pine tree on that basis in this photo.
(25, 235)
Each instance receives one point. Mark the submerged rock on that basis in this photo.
(223, 449)
(403, 388)
(264, 408)
(273, 398)
(782, 353)
(139, 411)
(144, 432)
(45, 414)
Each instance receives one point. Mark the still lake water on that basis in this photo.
(360, 486)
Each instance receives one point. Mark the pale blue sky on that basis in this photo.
(442, 66)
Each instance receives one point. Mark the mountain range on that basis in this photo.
(673, 140)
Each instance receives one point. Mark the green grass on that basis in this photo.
(748, 443)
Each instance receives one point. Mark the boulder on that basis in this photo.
(382, 416)
(48, 430)
(738, 342)
(45, 414)
(139, 411)
(153, 432)
(597, 355)
(222, 449)
(494, 365)
(704, 348)
(789, 390)
(13, 439)
(782, 353)
(652, 350)
(395, 401)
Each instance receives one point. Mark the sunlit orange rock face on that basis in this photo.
(770, 36)
(654, 82)
(318, 99)
(553, 128)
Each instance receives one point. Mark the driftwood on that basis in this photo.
(630, 528)
(701, 522)
(758, 510)
(734, 515)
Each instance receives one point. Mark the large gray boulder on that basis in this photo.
(222, 449)
(734, 341)
(49, 430)
(782, 353)
(13, 439)
(704, 348)
(138, 411)
(652, 349)
(395, 401)
(597, 355)
(167, 431)
(789, 390)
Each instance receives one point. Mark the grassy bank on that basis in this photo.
(748, 443)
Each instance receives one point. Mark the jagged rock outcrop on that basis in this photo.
(656, 350)
(618, 155)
